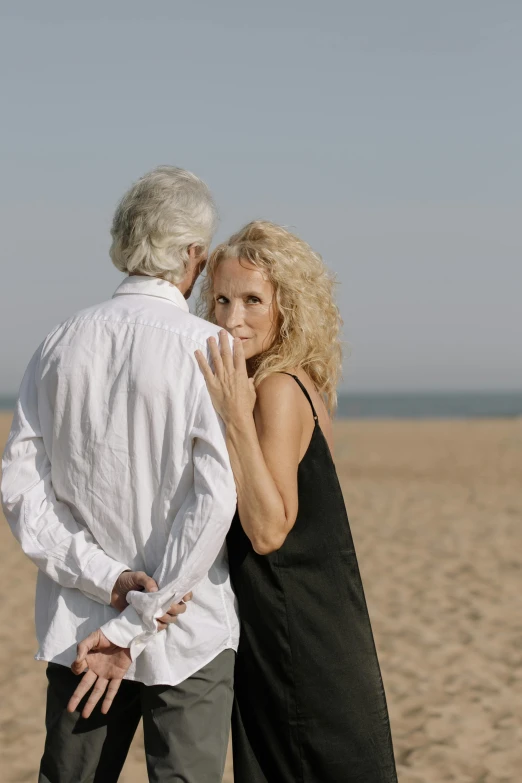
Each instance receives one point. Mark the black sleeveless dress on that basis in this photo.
(309, 700)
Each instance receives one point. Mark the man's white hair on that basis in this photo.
(158, 219)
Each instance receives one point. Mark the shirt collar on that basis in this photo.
(152, 286)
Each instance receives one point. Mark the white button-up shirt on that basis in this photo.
(117, 460)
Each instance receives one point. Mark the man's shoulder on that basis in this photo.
(186, 326)
(85, 314)
(166, 317)
(154, 318)
(200, 330)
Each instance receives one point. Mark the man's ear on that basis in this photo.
(197, 258)
(194, 252)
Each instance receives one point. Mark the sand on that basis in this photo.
(435, 509)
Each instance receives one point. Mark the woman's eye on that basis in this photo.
(253, 300)
(222, 300)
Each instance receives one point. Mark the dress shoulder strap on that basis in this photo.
(305, 392)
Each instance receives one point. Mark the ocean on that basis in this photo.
(435, 405)
(440, 405)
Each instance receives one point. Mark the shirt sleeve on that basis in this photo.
(196, 537)
(44, 526)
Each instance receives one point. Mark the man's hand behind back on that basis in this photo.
(127, 581)
(103, 663)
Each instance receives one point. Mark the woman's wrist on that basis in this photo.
(240, 430)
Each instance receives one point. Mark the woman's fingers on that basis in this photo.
(204, 367)
(239, 356)
(216, 357)
(229, 385)
(223, 359)
(226, 352)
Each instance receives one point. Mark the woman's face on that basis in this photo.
(244, 305)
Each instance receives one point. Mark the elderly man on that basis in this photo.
(117, 482)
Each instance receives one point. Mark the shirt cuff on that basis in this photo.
(99, 576)
(127, 630)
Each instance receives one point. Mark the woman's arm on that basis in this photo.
(265, 459)
(264, 453)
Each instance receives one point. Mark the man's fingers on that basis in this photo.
(112, 690)
(84, 647)
(100, 686)
(82, 650)
(164, 621)
(171, 614)
(187, 597)
(147, 582)
(84, 686)
(79, 666)
(176, 609)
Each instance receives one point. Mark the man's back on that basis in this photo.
(121, 403)
(118, 391)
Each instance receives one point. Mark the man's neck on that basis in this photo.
(185, 291)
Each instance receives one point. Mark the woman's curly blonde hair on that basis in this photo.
(309, 320)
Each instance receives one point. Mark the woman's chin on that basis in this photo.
(249, 351)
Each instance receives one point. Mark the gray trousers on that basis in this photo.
(185, 726)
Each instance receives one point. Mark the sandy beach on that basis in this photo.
(435, 509)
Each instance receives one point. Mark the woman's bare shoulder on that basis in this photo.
(279, 395)
(278, 386)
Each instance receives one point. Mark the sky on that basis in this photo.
(388, 135)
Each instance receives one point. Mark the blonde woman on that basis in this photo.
(310, 704)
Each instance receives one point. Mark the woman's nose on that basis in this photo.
(234, 316)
